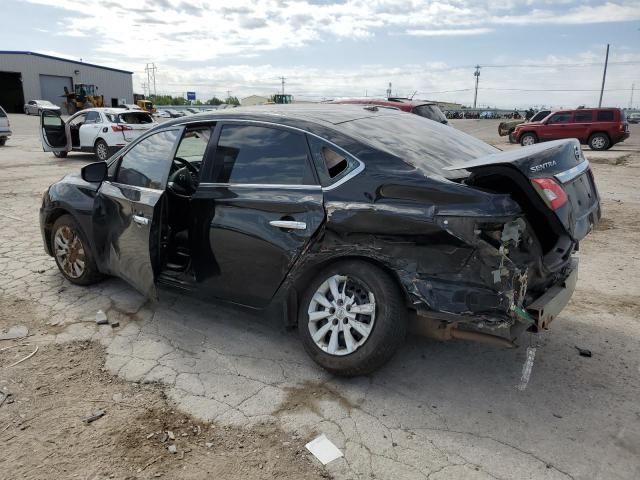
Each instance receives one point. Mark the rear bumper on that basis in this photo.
(548, 306)
(5, 132)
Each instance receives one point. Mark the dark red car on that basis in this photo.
(419, 107)
(600, 128)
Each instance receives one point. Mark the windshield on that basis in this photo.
(540, 115)
(428, 146)
(432, 112)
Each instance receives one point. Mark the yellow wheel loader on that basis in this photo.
(84, 96)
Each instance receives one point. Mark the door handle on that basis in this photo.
(291, 225)
(140, 220)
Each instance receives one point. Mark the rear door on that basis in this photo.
(54, 134)
(581, 124)
(258, 207)
(557, 126)
(90, 129)
(126, 217)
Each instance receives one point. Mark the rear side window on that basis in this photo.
(605, 116)
(261, 155)
(331, 164)
(584, 116)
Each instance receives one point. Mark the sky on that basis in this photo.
(531, 52)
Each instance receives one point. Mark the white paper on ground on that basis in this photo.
(323, 449)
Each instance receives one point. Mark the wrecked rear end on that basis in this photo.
(485, 244)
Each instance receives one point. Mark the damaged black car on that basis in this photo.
(350, 220)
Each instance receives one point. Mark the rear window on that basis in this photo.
(2, 113)
(432, 112)
(605, 116)
(426, 145)
(132, 118)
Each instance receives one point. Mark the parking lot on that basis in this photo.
(438, 410)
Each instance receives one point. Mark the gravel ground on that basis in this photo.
(438, 410)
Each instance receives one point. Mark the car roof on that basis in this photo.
(113, 111)
(327, 114)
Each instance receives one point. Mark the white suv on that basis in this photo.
(102, 131)
(5, 131)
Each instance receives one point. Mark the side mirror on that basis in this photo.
(94, 172)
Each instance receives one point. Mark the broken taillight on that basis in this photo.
(120, 128)
(551, 192)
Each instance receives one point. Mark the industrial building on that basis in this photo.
(28, 76)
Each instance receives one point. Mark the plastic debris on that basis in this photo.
(95, 416)
(323, 449)
(17, 331)
(583, 352)
(101, 318)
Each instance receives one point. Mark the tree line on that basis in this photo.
(169, 100)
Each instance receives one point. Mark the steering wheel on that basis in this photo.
(184, 180)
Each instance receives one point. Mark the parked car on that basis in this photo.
(102, 131)
(424, 109)
(508, 128)
(600, 128)
(36, 107)
(5, 127)
(130, 106)
(633, 118)
(162, 114)
(170, 113)
(193, 111)
(349, 218)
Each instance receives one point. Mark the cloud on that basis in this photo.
(450, 32)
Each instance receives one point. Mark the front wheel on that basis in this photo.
(512, 137)
(528, 139)
(72, 253)
(101, 150)
(599, 141)
(352, 318)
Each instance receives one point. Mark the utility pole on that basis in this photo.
(633, 86)
(389, 91)
(604, 76)
(477, 75)
(144, 89)
(282, 79)
(151, 68)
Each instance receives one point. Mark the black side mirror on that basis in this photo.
(94, 172)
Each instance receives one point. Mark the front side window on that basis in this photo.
(261, 155)
(79, 120)
(560, 118)
(605, 116)
(147, 164)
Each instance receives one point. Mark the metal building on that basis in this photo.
(28, 76)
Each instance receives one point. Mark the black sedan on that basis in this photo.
(352, 219)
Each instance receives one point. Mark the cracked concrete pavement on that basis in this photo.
(438, 410)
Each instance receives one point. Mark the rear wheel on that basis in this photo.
(352, 318)
(599, 141)
(3, 140)
(72, 253)
(101, 150)
(528, 139)
(60, 154)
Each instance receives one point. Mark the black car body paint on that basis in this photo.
(454, 220)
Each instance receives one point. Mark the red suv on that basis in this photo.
(600, 128)
(424, 109)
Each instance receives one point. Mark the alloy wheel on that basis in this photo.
(341, 315)
(528, 140)
(101, 151)
(598, 143)
(69, 251)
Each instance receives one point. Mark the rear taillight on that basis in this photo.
(550, 191)
(120, 128)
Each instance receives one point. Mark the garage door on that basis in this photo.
(51, 87)
(11, 96)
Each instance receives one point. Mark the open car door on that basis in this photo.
(127, 211)
(53, 132)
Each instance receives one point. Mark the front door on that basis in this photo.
(126, 218)
(254, 220)
(53, 132)
(557, 126)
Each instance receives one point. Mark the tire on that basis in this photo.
(26, 111)
(101, 150)
(368, 285)
(60, 154)
(512, 137)
(528, 139)
(599, 141)
(77, 265)
(3, 141)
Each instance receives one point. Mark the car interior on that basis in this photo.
(74, 129)
(175, 255)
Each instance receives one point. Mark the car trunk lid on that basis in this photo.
(557, 173)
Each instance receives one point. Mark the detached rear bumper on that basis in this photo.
(549, 305)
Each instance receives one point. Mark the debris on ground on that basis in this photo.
(5, 397)
(101, 318)
(583, 352)
(115, 324)
(172, 449)
(95, 416)
(16, 331)
(25, 358)
(323, 449)
(171, 435)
